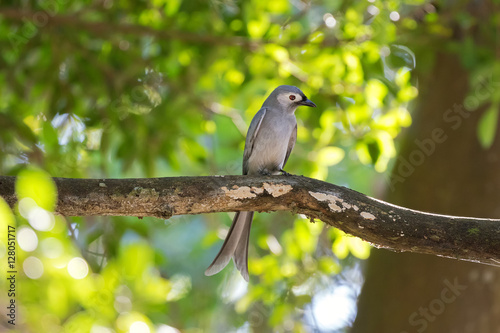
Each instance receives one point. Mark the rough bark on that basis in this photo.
(384, 225)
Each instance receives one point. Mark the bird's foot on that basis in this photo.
(284, 173)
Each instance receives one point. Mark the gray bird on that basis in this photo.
(270, 140)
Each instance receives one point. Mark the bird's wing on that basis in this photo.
(253, 130)
(291, 144)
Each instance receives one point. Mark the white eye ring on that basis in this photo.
(292, 97)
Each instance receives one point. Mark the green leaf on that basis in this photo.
(79, 323)
(340, 248)
(257, 28)
(172, 6)
(37, 185)
(487, 127)
(328, 266)
(329, 156)
(358, 247)
(6, 216)
(375, 93)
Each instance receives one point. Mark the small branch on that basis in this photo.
(380, 223)
(105, 28)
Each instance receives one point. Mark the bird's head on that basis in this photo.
(287, 98)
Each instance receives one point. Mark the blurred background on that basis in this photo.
(408, 96)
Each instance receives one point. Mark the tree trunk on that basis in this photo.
(414, 292)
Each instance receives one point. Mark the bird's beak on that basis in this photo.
(307, 102)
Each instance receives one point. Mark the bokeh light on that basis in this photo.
(40, 219)
(139, 327)
(25, 206)
(78, 268)
(330, 21)
(333, 309)
(27, 239)
(394, 16)
(373, 10)
(33, 267)
(100, 329)
(123, 304)
(51, 247)
(167, 329)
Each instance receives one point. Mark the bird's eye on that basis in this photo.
(292, 97)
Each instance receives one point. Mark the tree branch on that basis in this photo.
(380, 223)
(105, 28)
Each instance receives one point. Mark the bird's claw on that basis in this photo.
(284, 173)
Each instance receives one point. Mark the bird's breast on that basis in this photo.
(270, 146)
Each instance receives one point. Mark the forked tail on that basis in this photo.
(235, 246)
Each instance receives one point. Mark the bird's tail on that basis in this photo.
(235, 246)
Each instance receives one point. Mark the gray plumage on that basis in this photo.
(269, 142)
